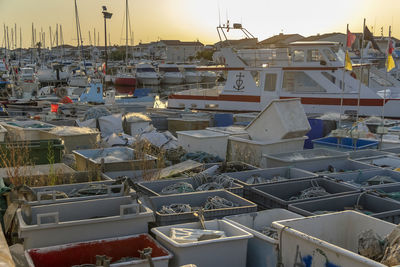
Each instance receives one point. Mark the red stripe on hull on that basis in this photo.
(125, 81)
(238, 98)
(337, 101)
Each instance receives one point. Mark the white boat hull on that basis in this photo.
(149, 80)
(172, 80)
(193, 79)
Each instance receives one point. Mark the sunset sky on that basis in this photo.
(189, 20)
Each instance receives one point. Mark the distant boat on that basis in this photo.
(191, 74)
(146, 74)
(170, 74)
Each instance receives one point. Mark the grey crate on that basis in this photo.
(84, 160)
(241, 165)
(359, 178)
(153, 188)
(367, 153)
(338, 165)
(389, 162)
(377, 207)
(197, 199)
(385, 191)
(303, 156)
(113, 190)
(278, 195)
(62, 223)
(394, 150)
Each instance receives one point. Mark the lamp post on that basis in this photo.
(107, 15)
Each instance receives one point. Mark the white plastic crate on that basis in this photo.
(26, 130)
(56, 224)
(328, 239)
(222, 252)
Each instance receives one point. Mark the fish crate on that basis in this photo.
(250, 151)
(316, 156)
(394, 150)
(211, 142)
(135, 123)
(344, 143)
(263, 247)
(197, 200)
(79, 191)
(154, 188)
(231, 167)
(229, 250)
(124, 251)
(266, 176)
(56, 224)
(36, 152)
(334, 166)
(367, 154)
(73, 138)
(387, 162)
(26, 130)
(328, 240)
(280, 195)
(187, 124)
(360, 178)
(113, 159)
(370, 204)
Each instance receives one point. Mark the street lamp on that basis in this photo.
(107, 15)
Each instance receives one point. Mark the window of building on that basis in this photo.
(330, 55)
(314, 55)
(298, 82)
(270, 82)
(298, 56)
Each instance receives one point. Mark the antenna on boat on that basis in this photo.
(219, 15)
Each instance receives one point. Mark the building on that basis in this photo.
(280, 40)
(238, 44)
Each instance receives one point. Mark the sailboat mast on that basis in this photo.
(126, 33)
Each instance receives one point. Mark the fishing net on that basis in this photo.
(177, 188)
(96, 112)
(314, 191)
(175, 208)
(218, 203)
(370, 245)
(269, 231)
(202, 157)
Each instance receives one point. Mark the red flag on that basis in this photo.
(351, 37)
(104, 67)
(390, 49)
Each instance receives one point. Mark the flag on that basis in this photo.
(389, 61)
(103, 66)
(347, 62)
(369, 37)
(351, 37)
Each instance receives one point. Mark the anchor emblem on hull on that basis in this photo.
(239, 82)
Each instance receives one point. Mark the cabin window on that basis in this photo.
(329, 76)
(256, 76)
(298, 82)
(314, 55)
(270, 82)
(330, 55)
(298, 56)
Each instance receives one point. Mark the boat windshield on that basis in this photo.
(190, 69)
(330, 55)
(145, 70)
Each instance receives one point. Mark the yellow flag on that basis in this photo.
(390, 63)
(347, 62)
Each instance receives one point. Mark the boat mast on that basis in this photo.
(79, 36)
(126, 33)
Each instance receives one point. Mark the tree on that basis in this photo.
(205, 54)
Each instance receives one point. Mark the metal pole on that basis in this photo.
(105, 44)
(344, 72)
(361, 73)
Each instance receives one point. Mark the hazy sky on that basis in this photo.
(189, 20)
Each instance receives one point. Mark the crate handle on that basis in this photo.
(53, 195)
(122, 208)
(110, 187)
(47, 215)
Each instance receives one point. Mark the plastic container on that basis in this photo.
(316, 156)
(377, 207)
(73, 140)
(245, 118)
(280, 119)
(48, 194)
(26, 130)
(198, 199)
(39, 170)
(285, 172)
(159, 121)
(153, 188)
(317, 131)
(223, 119)
(333, 166)
(222, 252)
(394, 150)
(56, 224)
(278, 195)
(389, 162)
(261, 249)
(367, 153)
(85, 252)
(345, 143)
(213, 143)
(40, 151)
(3, 132)
(89, 159)
(250, 151)
(231, 130)
(187, 124)
(359, 179)
(135, 123)
(328, 240)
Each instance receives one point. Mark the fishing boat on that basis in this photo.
(125, 77)
(311, 71)
(170, 74)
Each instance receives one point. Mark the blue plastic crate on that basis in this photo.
(345, 143)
